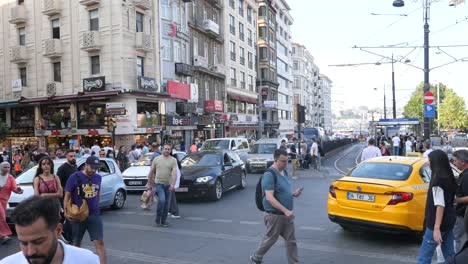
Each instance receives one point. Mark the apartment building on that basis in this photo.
(306, 89)
(325, 84)
(242, 94)
(284, 65)
(267, 81)
(64, 61)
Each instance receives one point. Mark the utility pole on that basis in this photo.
(384, 103)
(427, 124)
(393, 89)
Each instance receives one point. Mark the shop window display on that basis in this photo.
(56, 116)
(148, 115)
(22, 117)
(91, 115)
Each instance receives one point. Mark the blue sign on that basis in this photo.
(398, 122)
(429, 111)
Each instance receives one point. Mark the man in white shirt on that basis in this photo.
(396, 145)
(96, 149)
(408, 146)
(37, 222)
(314, 153)
(427, 148)
(371, 151)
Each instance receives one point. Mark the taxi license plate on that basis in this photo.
(183, 189)
(361, 197)
(135, 182)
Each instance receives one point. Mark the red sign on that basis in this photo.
(178, 90)
(214, 106)
(428, 97)
(55, 132)
(93, 132)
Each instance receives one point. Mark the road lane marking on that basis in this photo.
(221, 220)
(126, 213)
(194, 218)
(142, 257)
(346, 154)
(313, 228)
(250, 223)
(147, 214)
(256, 239)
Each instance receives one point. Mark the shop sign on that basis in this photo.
(178, 90)
(183, 108)
(205, 120)
(183, 69)
(270, 104)
(193, 93)
(233, 117)
(214, 106)
(181, 121)
(21, 131)
(147, 84)
(16, 86)
(55, 132)
(96, 84)
(93, 132)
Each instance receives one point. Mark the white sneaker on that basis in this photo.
(175, 216)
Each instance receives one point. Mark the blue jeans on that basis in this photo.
(396, 151)
(428, 246)
(163, 193)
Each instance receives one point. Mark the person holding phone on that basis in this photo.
(7, 186)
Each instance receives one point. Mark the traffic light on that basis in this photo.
(110, 123)
(301, 114)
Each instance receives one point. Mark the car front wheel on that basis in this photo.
(217, 191)
(119, 200)
(243, 182)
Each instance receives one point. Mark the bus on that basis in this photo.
(313, 133)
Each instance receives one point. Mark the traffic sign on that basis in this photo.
(115, 105)
(429, 111)
(428, 97)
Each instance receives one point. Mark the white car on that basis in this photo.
(136, 176)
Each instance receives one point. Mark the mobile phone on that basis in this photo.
(301, 189)
(19, 189)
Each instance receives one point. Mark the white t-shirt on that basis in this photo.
(96, 149)
(409, 146)
(314, 149)
(370, 152)
(396, 141)
(72, 255)
(426, 153)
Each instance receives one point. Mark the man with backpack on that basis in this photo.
(274, 196)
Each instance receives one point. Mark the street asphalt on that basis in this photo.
(229, 230)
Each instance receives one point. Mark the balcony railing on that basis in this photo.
(18, 14)
(233, 56)
(144, 42)
(52, 48)
(241, 36)
(233, 82)
(250, 65)
(51, 7)
(143, 4)
(242, 84)
(91, 41)
(200, 61)
(242, 60)
(211, 26)
(18, 54)
(89, 2)
(219, 68)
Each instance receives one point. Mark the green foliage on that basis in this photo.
(415, 106)
(4, 130)
(452, 114)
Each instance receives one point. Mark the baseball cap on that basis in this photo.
(93, 161)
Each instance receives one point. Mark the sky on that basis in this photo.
(331, 28)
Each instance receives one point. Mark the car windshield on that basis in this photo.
(215, 144)
(206, 160)
(263, 149)
(382, 171)
(27, 177)
(144, 160)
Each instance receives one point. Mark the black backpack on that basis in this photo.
(259, 190)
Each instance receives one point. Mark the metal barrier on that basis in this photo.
(328, 146)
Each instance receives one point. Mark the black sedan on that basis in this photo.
(210, 174)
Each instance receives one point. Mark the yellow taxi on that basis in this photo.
(384, 194)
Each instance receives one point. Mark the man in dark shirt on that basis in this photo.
(68, 168)
(460, 160)
(42, 153)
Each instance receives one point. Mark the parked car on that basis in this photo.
(238, 145)
(210, 174)
(261, 154)
(113, 190)
(136, 176)
(385, 194)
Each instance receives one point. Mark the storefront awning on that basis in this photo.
(7, 102)
(242, 98)
(82, 96)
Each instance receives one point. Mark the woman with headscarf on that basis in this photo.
(7, 186)
(440, 211)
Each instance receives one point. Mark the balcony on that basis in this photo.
(53, 88)
(51, 7)
(144, 42)
(219, 68)
(18, 14)
(18, 54)
(91, 41)
(211, 27)
(52, 48)
(143, 4)
(90, 2)
(200, 61)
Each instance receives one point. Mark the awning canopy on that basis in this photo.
(242, 98)
(8, 102)
(82, 96)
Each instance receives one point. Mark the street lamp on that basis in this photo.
(398, 3)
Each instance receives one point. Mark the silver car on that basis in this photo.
(113, 190)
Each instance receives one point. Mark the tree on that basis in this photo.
(415, 106)
(452, 114)
(4, 130)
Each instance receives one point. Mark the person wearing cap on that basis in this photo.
(90, 183)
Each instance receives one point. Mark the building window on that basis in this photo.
(250, 82)
(233, 77)
(232, 26)
(20, 2)
(177, 55)
(262, 11)
(231, 106)
(262, 33)
(56, 29)
(241, 31)
(95, 65)
(195, 46)
(241, 107)
(167, 49)
(263, 53)
(241, 7)
(57, 67)
(233, 51)
(23, 76)
(207, 90)
(232, 4)
(166, 9)
(249, 14)
(139, 22)
(140, 66)
(296, 65)
(242, 80)
(94, 20)
(242, 55)
(250, 59)
(250, 37)
(22, 36)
